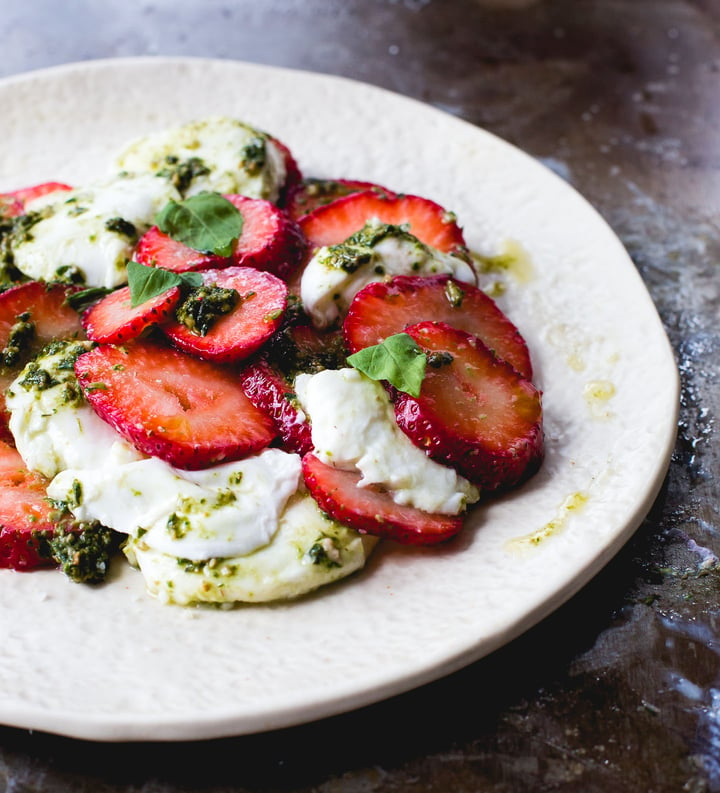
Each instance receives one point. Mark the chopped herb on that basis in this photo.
(123, 227)
(454, 294)
(178, 526)
(20, 339)
(439, 359)
(37, 378)
(83, 552)
(254, 156)
(324, 552)
(69, 274)
(182, 173)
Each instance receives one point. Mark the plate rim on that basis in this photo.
(222, 725)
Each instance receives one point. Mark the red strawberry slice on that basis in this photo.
(270, 240)
(268, 390)
(384, 308)
(313, 193)
(113, 320)
(371, 510)
(24, 510)
(190, 413)
(156, 249)
(428, 221)
(293, 175)
(13, 203)
(474, 412)
(40, 313)
(236, 335)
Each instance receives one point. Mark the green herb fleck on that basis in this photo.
(454, 294)
(123, 227)
(182, 173)
(324, 552)
(254, 156)
(20, 339)
(83, 553)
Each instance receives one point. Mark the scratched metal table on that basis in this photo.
(620, 689)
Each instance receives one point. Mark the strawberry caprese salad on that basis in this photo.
(243, 378)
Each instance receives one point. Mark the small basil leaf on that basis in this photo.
(397, 359)
(206, 222)
(148, 282)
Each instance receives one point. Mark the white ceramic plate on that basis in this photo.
(112, 664)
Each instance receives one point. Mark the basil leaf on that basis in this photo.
(398, 360)
(148, 282)
(206, 222)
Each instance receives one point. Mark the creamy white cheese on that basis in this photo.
(53, 426)
(231, 509)
(335, 274)
(219, 154)
(308, 551)
(87, 234)
(354, 428)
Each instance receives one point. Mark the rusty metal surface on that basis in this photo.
(620, 689)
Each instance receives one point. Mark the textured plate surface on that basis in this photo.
(112, 664)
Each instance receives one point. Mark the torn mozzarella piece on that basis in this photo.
(335, 274)
(218, 154)
(230, 509)
(52, 424)
(88, 235)
(354, 428)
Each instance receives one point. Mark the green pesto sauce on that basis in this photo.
(204, 305)
(324, 552)
(454, 294)
(182, 173)
(20, 339)
(358, 249)
(83, 550)
(55, 366)
(254, 156)
(122, 227)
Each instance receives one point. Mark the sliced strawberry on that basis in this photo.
(24, 510)
(293, 175)
(474, 412)
(155, 249)
(382, 309)
(313, 193)
(270, 240)
(428, 221)
(372, 510)
(113, 320)
(191, 413)
(267, 389)
(32, 314)
(239, 333)
(13, 203)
